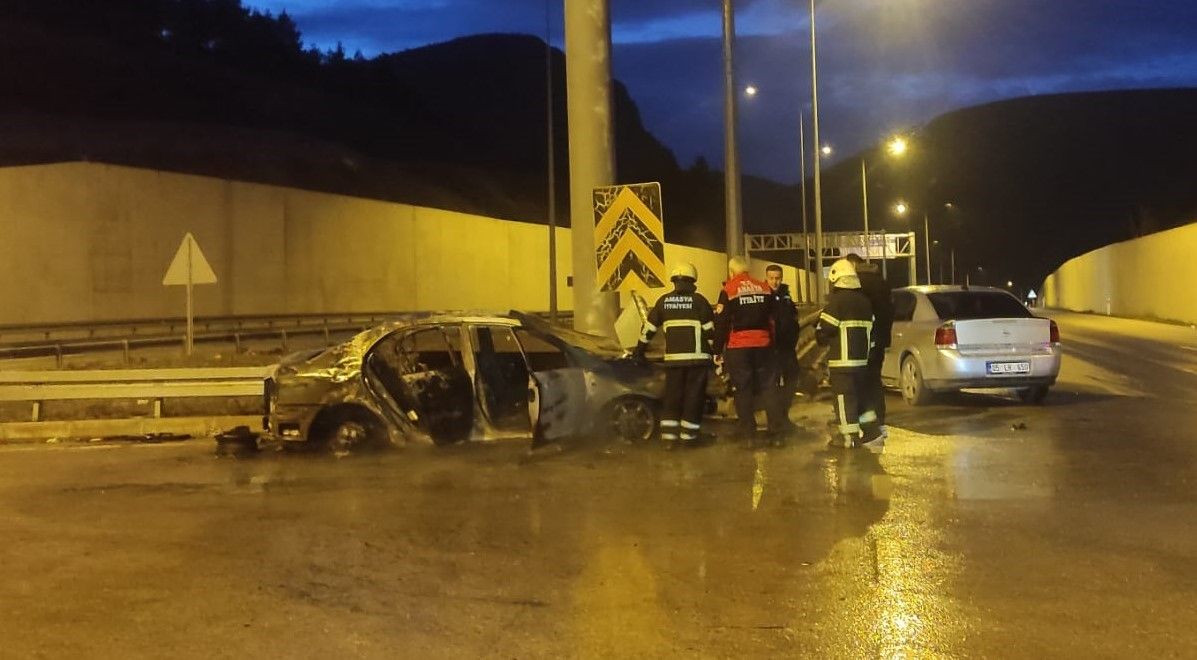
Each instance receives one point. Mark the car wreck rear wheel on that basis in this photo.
(346, 430)
(633, 419)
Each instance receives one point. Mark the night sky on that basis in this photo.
(885, 65)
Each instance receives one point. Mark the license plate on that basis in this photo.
(1006, 368)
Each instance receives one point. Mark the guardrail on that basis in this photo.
(36, 387)
(104, 336)
(61, 349)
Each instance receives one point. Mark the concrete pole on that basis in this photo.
(732, 210)
(550, 141)
(818, 149)
(591, 151)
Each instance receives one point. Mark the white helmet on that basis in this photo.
(843, 275)
(684, 269)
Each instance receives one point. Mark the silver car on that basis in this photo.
(949, 338)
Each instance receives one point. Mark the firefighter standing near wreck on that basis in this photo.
(686, 318)
(846, 327)
(744, 326)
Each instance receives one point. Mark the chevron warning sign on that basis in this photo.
(629, 237)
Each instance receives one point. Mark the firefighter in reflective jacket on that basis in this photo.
(845, 327)
(744, 327)
(687, 320)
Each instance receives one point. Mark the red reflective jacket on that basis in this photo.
(744, 315)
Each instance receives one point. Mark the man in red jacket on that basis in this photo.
(744, 322)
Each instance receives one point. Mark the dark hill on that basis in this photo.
(210, 87)
(1035, 181)
(213, 88)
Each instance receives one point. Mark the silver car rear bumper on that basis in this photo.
(950, 370)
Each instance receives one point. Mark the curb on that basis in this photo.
(29, 432)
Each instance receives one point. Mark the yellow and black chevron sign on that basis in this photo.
(629, 237)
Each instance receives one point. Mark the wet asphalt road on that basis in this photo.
(968, 536)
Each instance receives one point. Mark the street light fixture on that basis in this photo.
(901, 209)
(897, 146)
(825, 150)
(750, 90)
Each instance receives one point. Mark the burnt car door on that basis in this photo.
(525, 383)
(501, 378)
(419, 375)
(561, 407)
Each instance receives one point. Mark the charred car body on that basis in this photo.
(450, 378)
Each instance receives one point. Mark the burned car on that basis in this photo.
(446, 379)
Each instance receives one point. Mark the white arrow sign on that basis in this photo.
(189, 267)
(1032, 295)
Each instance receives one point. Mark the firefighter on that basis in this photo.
(687, 320)
(879, 293)
(744, 323)
(845, 327)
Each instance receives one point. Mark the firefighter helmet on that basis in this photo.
(843, 275)
(684, 270)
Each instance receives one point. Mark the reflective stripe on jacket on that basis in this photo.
(745, 314)
(687, 320)
(846, 327)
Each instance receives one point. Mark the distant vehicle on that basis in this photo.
(949, 338)
(450, 378)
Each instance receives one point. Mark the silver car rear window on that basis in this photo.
(963, 305)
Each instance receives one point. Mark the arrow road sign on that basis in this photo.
(629, 237)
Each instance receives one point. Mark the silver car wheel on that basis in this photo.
(913, 390)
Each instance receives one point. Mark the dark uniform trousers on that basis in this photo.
(873, 387)
(789, 377)
(753, 373)
(848, 385)
(683, 402)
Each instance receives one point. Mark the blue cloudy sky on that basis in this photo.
(884, 64)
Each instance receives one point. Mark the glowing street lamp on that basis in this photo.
(897, 146)
(825, 150)
(750, 90)
(901, 209)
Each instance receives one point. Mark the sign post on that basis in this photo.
(188, 268)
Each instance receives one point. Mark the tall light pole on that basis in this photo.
(864, 202)
(733, 222)
(814, 97)
(805, 234)
(591, 151)
(927, 244)
(895, 147)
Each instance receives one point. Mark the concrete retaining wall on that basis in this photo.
(1151, 277)
(87, 241)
